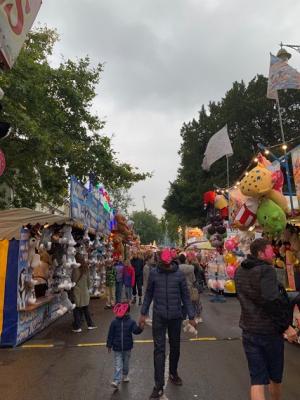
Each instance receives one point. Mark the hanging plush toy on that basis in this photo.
(271, 217)
(209, 199)
(220, 202)
(279, 199)
(246, 216)
(257, 183)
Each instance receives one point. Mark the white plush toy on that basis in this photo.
(65, 305)
(188, 328)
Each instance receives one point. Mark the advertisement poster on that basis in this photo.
(87, 209)
(16, 19)
(296, 170)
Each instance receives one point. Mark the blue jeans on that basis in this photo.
(121, 364)
(119, 288)
(128, 293)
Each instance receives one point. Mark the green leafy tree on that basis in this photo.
(54, 133)
(122, 200)
(147, 226)
(251, 119)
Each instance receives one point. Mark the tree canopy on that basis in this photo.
(54, 133)
(147, 226)
(251, 118)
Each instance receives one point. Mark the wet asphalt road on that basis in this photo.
(211, 369)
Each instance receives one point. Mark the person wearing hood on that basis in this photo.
(168, 289)
(121, 341)
(265, 319)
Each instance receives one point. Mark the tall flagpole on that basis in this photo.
(228, 184)
(286, 162)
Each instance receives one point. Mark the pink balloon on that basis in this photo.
(230, 244)
(231, 271)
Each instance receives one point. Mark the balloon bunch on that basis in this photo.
(265, 201)
(216, 232)
(230, 258)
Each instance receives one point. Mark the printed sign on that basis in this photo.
(87, 209)
(16, 19)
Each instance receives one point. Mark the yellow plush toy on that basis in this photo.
(257, 183)
(220, 202)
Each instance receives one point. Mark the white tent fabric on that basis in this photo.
(12, 220)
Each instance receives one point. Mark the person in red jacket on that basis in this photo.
(128, 279)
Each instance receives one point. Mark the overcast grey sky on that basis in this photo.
(163, 60)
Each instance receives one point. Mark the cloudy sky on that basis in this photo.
(163, 60)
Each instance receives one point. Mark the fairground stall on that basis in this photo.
(37, 256)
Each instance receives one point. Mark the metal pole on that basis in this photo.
(228, 184)
(286, 162)
(144, 202)
(227, 158)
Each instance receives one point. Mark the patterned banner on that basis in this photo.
(87, 209)
(296, 169)
(281, 76)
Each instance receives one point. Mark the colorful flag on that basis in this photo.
(218, 146)
(281, 76)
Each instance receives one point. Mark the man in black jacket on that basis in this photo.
(167, 288)
(265, 319)
(138, 264)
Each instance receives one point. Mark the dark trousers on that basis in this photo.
(159, 328)
(79, 313)
(138, 286)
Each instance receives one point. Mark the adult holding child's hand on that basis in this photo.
(167, 288)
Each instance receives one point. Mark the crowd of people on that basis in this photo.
(168, 286)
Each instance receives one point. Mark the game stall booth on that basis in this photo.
(37, 256)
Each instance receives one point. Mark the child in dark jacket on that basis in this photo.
(128, 279)
(120, 340)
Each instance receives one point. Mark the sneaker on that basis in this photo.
(91, 328)
(176, 380)
(140, 301)
(126, 379)
(115, 385)
(156, 393)
(77, 330)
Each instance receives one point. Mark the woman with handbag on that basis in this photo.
(81, 295)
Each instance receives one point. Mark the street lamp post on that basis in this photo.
(143, 197)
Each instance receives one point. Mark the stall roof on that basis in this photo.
(12, 220)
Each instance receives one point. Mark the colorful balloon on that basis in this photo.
(230, 270)
(230, 259)
(230, 244)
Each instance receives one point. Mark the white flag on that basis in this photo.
(218, 146)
